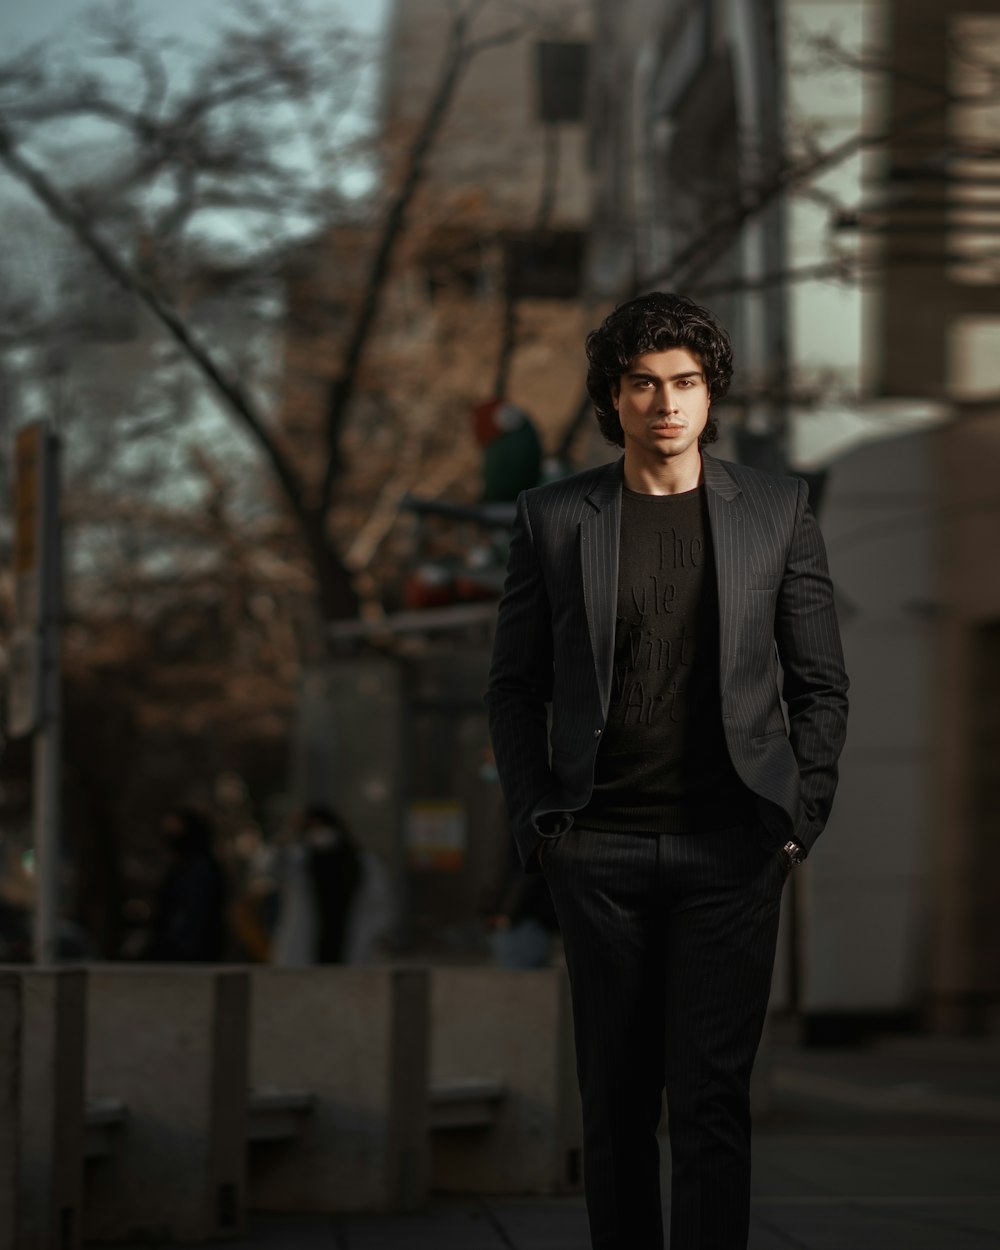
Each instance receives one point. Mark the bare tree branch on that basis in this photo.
(458, 54)
(235, 398)
(687, 266)
(189, 147)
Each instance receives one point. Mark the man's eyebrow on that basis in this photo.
(674, 377)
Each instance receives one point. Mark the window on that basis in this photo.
(562, 81)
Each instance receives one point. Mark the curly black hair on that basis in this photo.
(655, 323)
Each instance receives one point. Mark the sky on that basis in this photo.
(27, 22)
(24, 21)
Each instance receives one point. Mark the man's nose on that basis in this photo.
(668, 399)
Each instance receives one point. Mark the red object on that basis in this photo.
(484, 422)
(428, 587)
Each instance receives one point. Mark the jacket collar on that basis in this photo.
(716, 476)
(607, 490)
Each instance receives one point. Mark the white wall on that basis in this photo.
(866, 884)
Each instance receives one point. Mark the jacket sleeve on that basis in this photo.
(815, 681)
(520, 684)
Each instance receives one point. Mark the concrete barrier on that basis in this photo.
(356, 1040)
(469, 1102)
(278, 1114)
(42, 1021)
(169, 1045)
(512, 1031)
(105, 1120)
(320, 1089)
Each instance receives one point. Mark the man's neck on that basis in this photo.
(668, 477)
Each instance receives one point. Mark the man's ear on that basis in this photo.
(615, 393)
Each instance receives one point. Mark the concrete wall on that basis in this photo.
(10, 1064)
(964, 950)
(866, 885)
(42, 1045)
(901, 903)
(357, 1039)
(171, 1043)
(516, 1028)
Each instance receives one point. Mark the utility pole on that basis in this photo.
(34, 704)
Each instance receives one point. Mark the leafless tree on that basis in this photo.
(250, 130)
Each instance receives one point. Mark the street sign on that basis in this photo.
(436, 835)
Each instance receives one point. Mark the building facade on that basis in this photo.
(823, 176)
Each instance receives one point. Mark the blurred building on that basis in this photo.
(825, 177)
(485, 300)
(494, 238)
(527, 85)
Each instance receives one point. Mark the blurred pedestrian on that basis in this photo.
(319, 877)
(189, 917)
(372, 913)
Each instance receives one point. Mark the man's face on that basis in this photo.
(662, 403)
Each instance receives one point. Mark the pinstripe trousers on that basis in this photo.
(670, 943)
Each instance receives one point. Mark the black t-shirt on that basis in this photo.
(663, 765)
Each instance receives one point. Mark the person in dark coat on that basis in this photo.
(335, 870)
(189, 921)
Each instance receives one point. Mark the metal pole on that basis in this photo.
(47, 769)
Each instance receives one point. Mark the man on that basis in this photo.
(648, 603)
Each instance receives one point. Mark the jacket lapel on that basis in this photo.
(599, 538)
(729, 542)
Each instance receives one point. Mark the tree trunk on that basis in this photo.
(335, 594)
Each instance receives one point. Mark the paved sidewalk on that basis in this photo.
(894, 1147)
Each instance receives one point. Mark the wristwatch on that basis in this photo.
(792, 853)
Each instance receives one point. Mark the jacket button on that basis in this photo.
(597, 733)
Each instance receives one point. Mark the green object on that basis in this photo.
(511, 463)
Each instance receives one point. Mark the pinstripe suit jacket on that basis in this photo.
(555, 637)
